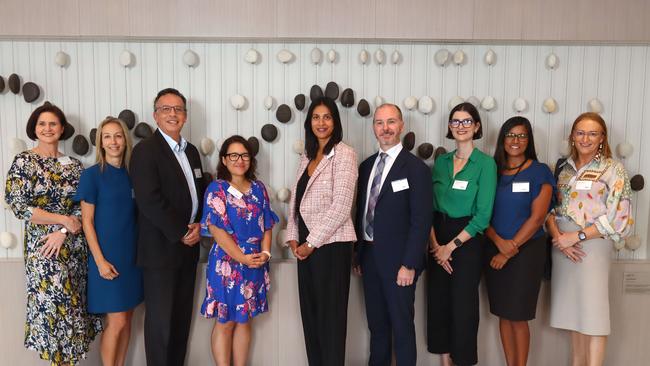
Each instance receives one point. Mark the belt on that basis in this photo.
(368, 242)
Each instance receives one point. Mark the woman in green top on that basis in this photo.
(464, 186)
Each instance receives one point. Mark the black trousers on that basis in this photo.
(324, 287)
(168, 296)
(452, 300)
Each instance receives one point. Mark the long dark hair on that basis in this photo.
(222, 170)
(311, 142)
(500, 155)
(472, 111)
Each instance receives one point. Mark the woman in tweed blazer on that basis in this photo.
(320, 232)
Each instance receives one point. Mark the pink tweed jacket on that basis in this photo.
(326, 205)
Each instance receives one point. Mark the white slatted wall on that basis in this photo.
(95, 85)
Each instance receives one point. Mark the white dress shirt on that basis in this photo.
(388, 164)
(179, 152)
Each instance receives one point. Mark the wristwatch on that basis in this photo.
(581, 235)
(309, 245)
(458, 242)
(267, 253)
(64, 231)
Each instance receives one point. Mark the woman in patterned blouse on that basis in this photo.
(593, 211)
(40, 187)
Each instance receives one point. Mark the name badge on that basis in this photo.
(65, 160)
(235, 192)
(400, 185)
(583, 185)
(197, 173)
(519, 187)
(460, 184)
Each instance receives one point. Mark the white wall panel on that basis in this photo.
(95, 85)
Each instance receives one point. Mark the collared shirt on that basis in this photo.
(470, 193)
(388, 163)
(596, 194)
(179, 152)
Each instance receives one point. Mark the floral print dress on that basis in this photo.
(57, 325)
(235, 292)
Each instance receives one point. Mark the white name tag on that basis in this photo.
(518, 187)
(400, 185)
(235, 192)
(460, 184)
(583, 185)
(197, 173)
(65, 160)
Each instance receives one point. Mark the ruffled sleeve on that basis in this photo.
(269, 218)
(617, 222)
(214, 210)
(544, 176)
(87, 189)
(19, 187)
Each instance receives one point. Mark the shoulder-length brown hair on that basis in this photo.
(606, 152)
(100, 153)
(222, 170)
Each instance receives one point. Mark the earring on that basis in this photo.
(573, 143)
(600, 150)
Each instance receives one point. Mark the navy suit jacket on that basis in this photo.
(164, 202)
(402, 219)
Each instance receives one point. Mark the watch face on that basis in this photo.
(582, 236)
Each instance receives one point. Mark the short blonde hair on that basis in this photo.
(100, 154)
(606, 152)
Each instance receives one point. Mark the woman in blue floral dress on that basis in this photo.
(40, 187)
(237, 214)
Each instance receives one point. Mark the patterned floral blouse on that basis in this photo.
(597, 194)
(57, 325)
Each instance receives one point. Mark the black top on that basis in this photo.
(303, 232)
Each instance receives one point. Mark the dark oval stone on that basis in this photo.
(283, 114)
(92, 135)
(315, 92)
(425, 150)
(68, 131)
(439, 151)
(269, 132)
(143, 130)
(14, 83)
(31, 92)
(255, 145)
(363, 108)
(80, 145)
(347, 98)
(128, 117)
(2, 84)
(299, 101)
(637, 182)
(332, 90)
(409, 141)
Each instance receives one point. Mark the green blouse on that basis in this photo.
(470, 193)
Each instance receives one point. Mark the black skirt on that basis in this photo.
(514, 289)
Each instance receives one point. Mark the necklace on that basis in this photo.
(516, 167)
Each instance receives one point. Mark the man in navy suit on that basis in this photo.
(394, 213)
(168, 184)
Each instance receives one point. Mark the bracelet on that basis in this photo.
(267, 253)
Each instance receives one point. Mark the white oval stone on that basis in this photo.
(459, 57)
(549, 106)
(552, 61)
(299, 147)
(425, 104)
(316, 56)
(238, 101)
(7, 240)
(61, 59)
(490, 57)
(454, 101)
(331, 55)
(624, 149)
(520, 105)
(379, 100)
(285, 56)
(410, 102)
(252, 56)
(595, 105)
(190, 58)
(395, 57)
(565, 148)
(488, 103)
(364, 57)
(207, 146)
(633, 242)
(380, 56)
(284, 194)
(473, 100)
(442, 57)
(126, 58)
(16, 146)
(268, 102)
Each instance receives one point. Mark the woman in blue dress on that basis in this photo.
(108, 218)
(515, 257)
(237, 214)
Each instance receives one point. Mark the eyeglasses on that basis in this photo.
(521, 136)
(590, 134)
(167, 109)
(325, 117)
(455, 123)
(236, 156)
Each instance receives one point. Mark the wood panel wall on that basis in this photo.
(431, 20)
(95, 85)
